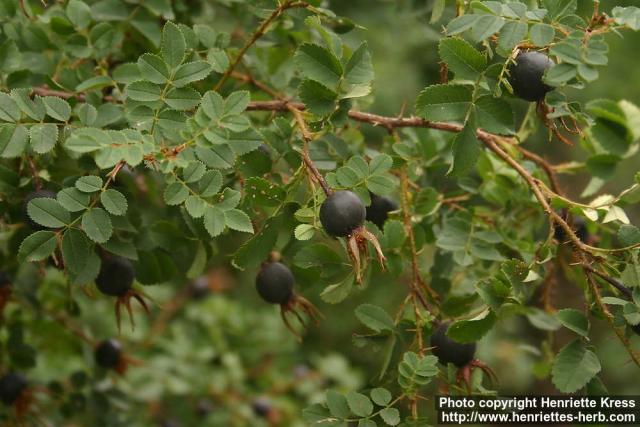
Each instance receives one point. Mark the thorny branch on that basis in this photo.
(262, 29)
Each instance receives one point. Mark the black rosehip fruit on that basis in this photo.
(108, 354)
(525, 75)
(341, 213)
(31, 196)
(378, 210)
(115, 277)
(11, 387)
(261, 406)
(450, 351)
(275, 282)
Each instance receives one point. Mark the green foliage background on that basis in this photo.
(229, 349)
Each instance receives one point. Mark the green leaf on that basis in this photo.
(629, 235)
(89, 184)
(76, 250)
(214, 221)
(238, 220)
(213, 105)
(560, 8)
(143, 91)
(173, 45)
(79, 13)
(153, 68)
(542, 34)
(391, 416)
(319, 64)
(38, 246)
(574, 320)
(175, 193)
(114, 202)
(337, 404)
(381, 396)
(182, 98)
(359, 69)
(255, 250)
(97, 224)
(13, 140)
(380, 184)
(43, 137)
(210, 183)
(48, 212)
(573, 367)
(466, 150)
(218, 59)
(485, 27)
(494, 115)
(87, 114)
(466, 331)
(73, 199)
(444, 102)
(237, 102)
(304, 231)
(191, 72)
(94, 83)
(461, 24)
(359, 404)
(511, 34)
(195, 206)
(375, 318)
(193, 172)
(9, 110)
(33, 108)
(319, 99)
(57, 108)
(217, 157)
(462, 58)
(560, 74)
(380, 164)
